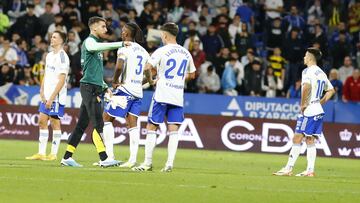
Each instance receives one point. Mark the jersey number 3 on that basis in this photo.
(172, 64)
(139, 68)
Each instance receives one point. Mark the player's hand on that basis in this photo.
(48, 104)
(115, 85)
(153, 82)
(109, 92)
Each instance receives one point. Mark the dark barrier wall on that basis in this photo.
(200, 132)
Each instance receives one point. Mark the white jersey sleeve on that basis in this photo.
(328, 85)
(155, 57)
(305, 76)
(64, 64)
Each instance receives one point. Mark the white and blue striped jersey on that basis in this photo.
(173, 62)
(56, 64)
(319, 82)
(135, 58)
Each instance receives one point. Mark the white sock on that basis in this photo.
(109, 136)
(311, 156)
(149, 147)
(134, 134)
(43, 139)
(55, 142)
(294, 154)
(172, 147)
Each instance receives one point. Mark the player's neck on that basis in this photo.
(57, 49)
(171, 42)
(94, 34)
(311, 64)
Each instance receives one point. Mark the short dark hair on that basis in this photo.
(171, 28)
(95, 19)
(62, 35)
(49, 4)
(315, 52)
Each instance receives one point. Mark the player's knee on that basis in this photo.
(297, 139)
(43, 123)
(310, 140)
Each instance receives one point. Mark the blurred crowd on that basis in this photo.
(240, 47)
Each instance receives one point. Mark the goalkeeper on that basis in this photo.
(91, 87)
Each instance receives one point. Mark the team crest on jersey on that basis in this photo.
(100, 55)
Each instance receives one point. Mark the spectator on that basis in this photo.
(220, 61)
(8, 54)
(273, 8)
(243, 40)
(354, 19)
(205, 14)
(228, 79)
(28, 25)
(109, 7)
(341, 28)
(335, 13)
(193, 16)
(336, 83)
(315, 11)
(272, 85)
(239, 71)
(249, 57)
(4, 21)
(38, 8)
(132, 16)
(275, 34)
(202, 26)
(22, 49)
(234, 28)
(176, 12)
(59, 21)
(208, 82)
(346, 69)
(18, 8)
(340, 49)
(246, 14)
(7, 74)
(47, 18)
(25, 77)
(321, 38)
(277, 64)
(92, 10)
(212, 42)
(293, 52)
(223, 31)
(295, 90)
(351, 87)
(198, 55)
(253, 79)
(294, 20)
(191, 36)
(145, 16)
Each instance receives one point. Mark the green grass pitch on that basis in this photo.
(199, 176)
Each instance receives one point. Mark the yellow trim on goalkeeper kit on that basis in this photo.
(99, 144)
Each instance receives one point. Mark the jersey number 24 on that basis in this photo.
(171, 63)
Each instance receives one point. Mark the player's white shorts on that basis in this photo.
(56, 110)
(309, 125)
(133, 106)
(158, 111)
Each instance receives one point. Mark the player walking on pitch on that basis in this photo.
(310, 122)
(53, 97)
(174, 65)
(91, 87)
(127, 83)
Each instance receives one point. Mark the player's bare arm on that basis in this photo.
(305, 95)
(190, 76)
(118, 70)
(327, 96)
(148, 74)
(42, 96)
(58, 87)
